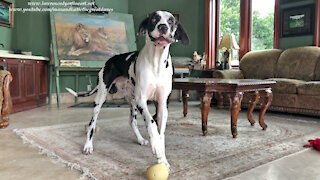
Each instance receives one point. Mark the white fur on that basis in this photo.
(72, 92)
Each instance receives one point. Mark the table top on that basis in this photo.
(223, 85)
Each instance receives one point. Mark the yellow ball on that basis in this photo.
(158, 172)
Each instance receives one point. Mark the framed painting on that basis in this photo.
(91, 39)
(6, 14)
(297, 21)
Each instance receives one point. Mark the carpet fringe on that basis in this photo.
(55, 158)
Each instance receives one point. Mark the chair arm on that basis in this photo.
(228, 74)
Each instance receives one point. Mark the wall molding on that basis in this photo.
(317, 24)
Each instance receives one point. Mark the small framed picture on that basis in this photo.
(297, 21)
(6, 14)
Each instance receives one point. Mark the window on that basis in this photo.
(212, 35)
(229, 24)
(262, 24)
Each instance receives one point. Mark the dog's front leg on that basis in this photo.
(134, 125)
(162, 121)
(155, 142)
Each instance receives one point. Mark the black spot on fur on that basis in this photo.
(167, 64)
(135, 116)
(168, 100)
(113, 89)
(118, 66)
(91, 133)
(133, 82)
(140, 109)
(91, 122)
(152, 121)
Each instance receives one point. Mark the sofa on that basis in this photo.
(296, 72)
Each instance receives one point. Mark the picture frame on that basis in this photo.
(297, 21)
(90, 39)
(6, 14)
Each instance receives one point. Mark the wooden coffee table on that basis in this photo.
(235, 89)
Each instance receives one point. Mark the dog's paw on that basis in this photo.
(164, 160)
(143, 142)
(87, 149)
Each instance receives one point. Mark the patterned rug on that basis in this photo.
(192, 156)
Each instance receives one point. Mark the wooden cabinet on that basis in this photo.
(29, 87)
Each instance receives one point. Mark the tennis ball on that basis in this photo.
(158, 172)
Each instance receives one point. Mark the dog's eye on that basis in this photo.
(153, 20)
(170, 21)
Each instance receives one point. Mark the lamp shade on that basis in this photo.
(228, 42)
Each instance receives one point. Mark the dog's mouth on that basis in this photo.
(162, 41)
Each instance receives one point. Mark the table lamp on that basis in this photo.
(227, 42)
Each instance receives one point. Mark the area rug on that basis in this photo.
(116, 104)
(192, 156)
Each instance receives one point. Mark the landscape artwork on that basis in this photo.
(90, 37)
(6, 13)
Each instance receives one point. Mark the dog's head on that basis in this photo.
(162, 28)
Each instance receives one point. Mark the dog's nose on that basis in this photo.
(163, 28)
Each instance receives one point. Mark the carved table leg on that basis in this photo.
(267, 98)
(7, 103)
(185, 96)
(205, 99)
(254, 97)
(220, 100)
(235, 105)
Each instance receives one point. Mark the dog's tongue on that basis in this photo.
(162, 41)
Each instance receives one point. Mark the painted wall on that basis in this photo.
(296, 41)
(6, 35)
(191, 15)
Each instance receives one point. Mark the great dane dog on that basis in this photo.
(142, 76)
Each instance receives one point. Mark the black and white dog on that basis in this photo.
(142, 76)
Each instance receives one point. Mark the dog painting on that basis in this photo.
(89, 38)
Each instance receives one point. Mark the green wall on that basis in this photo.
(296, 41)
(191, 15)
(6, 35)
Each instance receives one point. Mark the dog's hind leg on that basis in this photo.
(99, 100)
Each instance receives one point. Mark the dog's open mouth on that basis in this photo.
(162, 41)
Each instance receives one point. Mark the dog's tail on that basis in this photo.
(84, 94)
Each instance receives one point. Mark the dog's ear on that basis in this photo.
(143, 26)
(181, 34)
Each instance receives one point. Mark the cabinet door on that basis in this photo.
(3, 62)
(15, 67)
(29, 71)
(42, 78)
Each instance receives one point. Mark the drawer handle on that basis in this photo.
(21, 61)
(4, 60)
(37, 62)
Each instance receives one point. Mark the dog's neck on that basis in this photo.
(156, 55)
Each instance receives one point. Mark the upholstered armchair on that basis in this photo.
(5, 98)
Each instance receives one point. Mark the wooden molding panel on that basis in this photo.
(317, 24)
